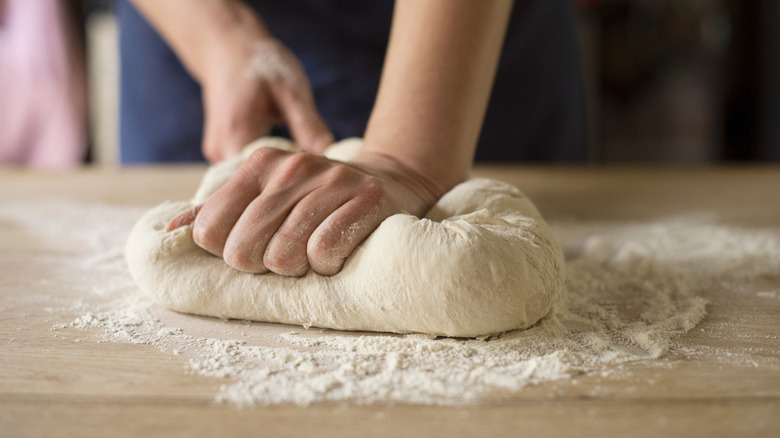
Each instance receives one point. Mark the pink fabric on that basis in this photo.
(42, 92)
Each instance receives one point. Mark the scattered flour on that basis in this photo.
(275, 62)
(631, 289)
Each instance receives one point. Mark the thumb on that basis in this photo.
(306, 125)
(220, 142)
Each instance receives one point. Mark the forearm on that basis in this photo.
(194, 29)
(436, 84)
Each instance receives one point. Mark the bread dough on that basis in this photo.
(481, 262)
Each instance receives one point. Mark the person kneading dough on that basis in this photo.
(481, 262)
(297, 215)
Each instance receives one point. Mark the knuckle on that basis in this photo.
(207, 230)
(207, 238)
(340, 175)
(257, 165)
(294, 167)
(241, 258)
(283, 264)
(284, 255)
(300, 161)
(325, 263)
(274, 261)
(205, 234)
(320, 246)
(261, 157)
(328, 247)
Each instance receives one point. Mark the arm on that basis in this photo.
(288, 212)
(226, 47)
(436, 84)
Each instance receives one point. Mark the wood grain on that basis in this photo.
(53, 386)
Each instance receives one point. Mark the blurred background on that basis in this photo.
(667, 81)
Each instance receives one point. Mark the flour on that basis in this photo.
(769, 294)
(274, 62)
(481, 262)
(631, 290)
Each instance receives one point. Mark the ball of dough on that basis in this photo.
(481, 262)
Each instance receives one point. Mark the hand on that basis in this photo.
(287, 212)
(249, 80)
(249, 86)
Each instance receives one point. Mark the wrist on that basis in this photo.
(426, 189)
(229, 40)
(442, 162)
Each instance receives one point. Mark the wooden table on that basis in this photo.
(54, 387)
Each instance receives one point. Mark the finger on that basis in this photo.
(307, 127)
(247, 241)
(338, 235)
(220, 213)
(223, 143)
(290, 181)
(244, 134)
(185, 218)
(286, 252)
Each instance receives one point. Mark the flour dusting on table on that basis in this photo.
(631, 290)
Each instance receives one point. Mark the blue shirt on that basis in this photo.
(536, 110)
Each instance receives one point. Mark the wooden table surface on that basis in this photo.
(50, 386)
